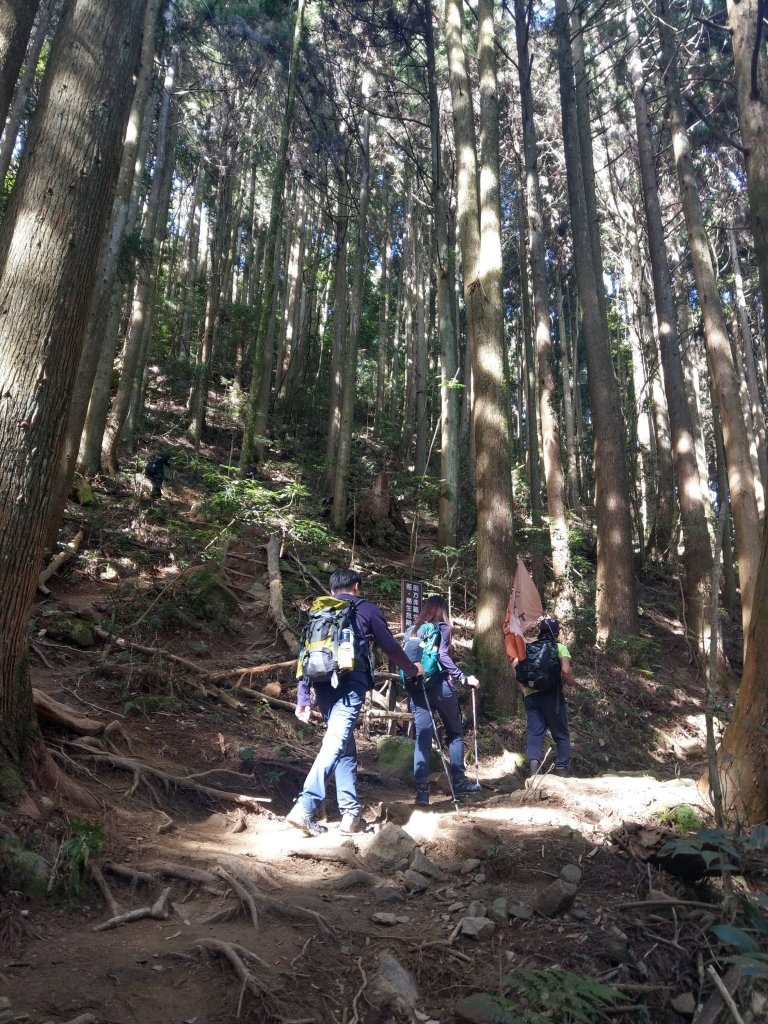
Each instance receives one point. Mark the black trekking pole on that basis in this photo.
(439, 745)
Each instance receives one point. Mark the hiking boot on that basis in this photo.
(562, 772)
(305, 821)
(422, 794)
(350, 823)
(533, 766)
(464, 788)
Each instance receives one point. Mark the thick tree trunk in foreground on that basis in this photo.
(751, 65)
(615, 601)
(479, 231)
(743, 755)
(49, 246)
(21, 97)
(16, 20)
(741, 481)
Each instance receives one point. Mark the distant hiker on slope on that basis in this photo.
(335, 659)
(541, 675)
(432, 631)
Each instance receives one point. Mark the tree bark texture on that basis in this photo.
(16, 20)
(21, 96)
(743, 756)
(741, 482)
(49, 245)
(479, 232)
(340, 290)
(751, 64)
(275, 216)
(550, 426)
(615, 603)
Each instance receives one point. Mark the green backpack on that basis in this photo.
(423, 646)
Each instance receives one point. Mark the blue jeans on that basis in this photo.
(446, 705)
(340, 708)
(548, 711)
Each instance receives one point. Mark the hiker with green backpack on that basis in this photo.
(335, 661)
(541, 676)
(428, 641)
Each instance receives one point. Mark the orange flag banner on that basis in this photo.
(523, 611)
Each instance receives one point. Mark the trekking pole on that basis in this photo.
(474, 728)
(439, 745)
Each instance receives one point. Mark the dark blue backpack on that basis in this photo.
(540, 669)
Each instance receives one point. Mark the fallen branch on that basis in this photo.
(249, 670)
(725, 995)
(154, 652)
(276, 595)
(159, 911)
(68, 551)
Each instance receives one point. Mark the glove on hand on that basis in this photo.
(302, 713)
(474, 682)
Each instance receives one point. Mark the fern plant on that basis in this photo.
(84, 841)
(553, 997)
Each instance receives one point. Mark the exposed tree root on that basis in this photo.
(243, 893)
(341, 855)
(271, 904)
(183, 871)
(132, 875)
(237, 957)
(94, 873)
(350, 880)
(160, 911)
(84, 1018)
(142, 773)
(52, 712)
(52, 780)
(67, 552)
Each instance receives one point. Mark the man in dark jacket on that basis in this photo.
(340, 707)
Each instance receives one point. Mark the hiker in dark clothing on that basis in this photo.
(442, 699)
(548, 710)
(340, 707)
(155, 472)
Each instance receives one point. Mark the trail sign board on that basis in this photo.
(411, 600)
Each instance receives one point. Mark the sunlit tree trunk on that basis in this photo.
(48, 268)
(141, 301)
(741, 481)
(340, 289)
(349, 387)
(550, 426)
(275, 214)
(747, 17)
(479, 232)
(383, 342)
(570, 427)
(449, 364)
(616, 604)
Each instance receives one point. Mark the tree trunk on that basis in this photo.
(616, 604)
(741, 481)
(570, 426)
(141, 302)
(340, 291)
(359, 273)
(16, 20)
(383, 341)
(479, 232)
(550, 427)
(747, 17)
(19, 104)
(743, 755)
(450, 460)
(109, 256)
(275, 216)
(421, 362)
(69, 169)
(755, 414)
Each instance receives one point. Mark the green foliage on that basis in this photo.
(544, 997)
(714, 847)
(749, 957)
(84, 841)
(633, 650)
(682, 818)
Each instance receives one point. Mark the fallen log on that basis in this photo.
(276, 595)
(249, 670)
(68, 551)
